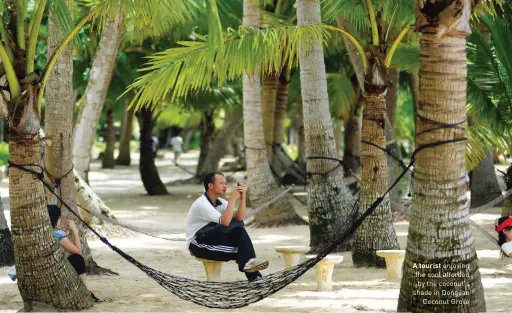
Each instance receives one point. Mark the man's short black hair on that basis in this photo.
(210, 179)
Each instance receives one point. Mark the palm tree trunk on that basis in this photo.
(484, 184)
(44, 274)
(96, 92)
(222, 140)
(59, 125)
(261, 183)
(299, 125)
(148, 171)
(283, 86)
(328, 198)
(352, 149)
(207, 133)
(439, 230)
(394, 168)
(281, 164)
(279, 117)
(6, 246)
(124, 157)
(377, 231)
(268, 101)
(108, 156)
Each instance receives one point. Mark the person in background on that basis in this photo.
(154, 145)
(176, 143)
(503, 227)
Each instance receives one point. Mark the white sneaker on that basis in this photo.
(254, 265)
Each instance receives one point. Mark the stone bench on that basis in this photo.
(212, 269)
(291, 254)
(394, 260)
(324, 270)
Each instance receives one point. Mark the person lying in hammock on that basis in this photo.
(503, 227)
(214, 229)
(73, 248)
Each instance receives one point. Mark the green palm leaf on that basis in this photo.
(407, 57)
(178, 71)
(152, 18)
(341, 94)
(480, 138)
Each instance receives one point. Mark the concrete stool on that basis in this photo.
(291, 254)
(212, 269)
(394, 260)
(324, 270)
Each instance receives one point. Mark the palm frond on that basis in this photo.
(489, 75)
(179, 71)
(407, 57)
(392, 15)
(60, 10)
(352, 11)
(341, 94)
(480, 138)
(151, 18)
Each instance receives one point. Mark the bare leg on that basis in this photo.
(83, 277)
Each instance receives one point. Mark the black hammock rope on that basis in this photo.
(232, 295)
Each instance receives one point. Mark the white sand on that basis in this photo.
(355, 290)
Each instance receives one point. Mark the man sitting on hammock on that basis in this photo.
(215, 231)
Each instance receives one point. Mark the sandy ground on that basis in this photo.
(355, 290)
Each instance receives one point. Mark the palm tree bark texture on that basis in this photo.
(124, 157)
(377, 231)
(220, 144)
(440, 270)
(44, 273)
(207, 128)
(58, 128)
(261, 182)
(329, 201)
(108, 157)
(96, 92)
(148, 170)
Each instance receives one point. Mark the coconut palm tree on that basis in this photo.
(262, 185)
(387, 24)
(328, 198)
(58, 126)
(439, 230)
(43, 273)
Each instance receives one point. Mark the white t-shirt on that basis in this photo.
(507, 247)
(176, 143)
(201, 213)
